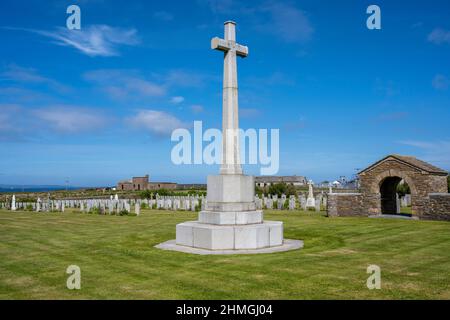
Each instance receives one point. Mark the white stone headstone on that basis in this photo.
(310, 201)
(13, 203)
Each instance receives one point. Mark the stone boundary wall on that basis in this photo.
(345, 205)
(438, 207)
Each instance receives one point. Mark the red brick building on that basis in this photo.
(143, 183)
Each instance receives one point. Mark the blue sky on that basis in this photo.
(98, 105)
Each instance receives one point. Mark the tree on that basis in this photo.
(282, 188)
(402, 189)
(259, 191)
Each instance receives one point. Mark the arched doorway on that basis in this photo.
(390, 195)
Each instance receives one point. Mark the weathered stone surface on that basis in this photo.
(345, 204)
(228, 218)
(230, 237)
(378, 190)
(438, 207)
(287, 245)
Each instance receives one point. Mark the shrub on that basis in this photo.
(282, 188)
(403, 189)
(94, 211)
(146, 194)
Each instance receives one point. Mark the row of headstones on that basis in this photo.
(405, 201)
(272, 202)
(185, 203)
(192, 203)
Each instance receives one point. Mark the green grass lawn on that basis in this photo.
(118, 260)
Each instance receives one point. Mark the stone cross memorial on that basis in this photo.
(310, 201)
(230, 222)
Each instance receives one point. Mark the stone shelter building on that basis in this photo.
(378, 190)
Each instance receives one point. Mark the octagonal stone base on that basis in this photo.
(231, 217)
(230, 237)
(287, 245)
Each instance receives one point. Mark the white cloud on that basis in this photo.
(7, 116)
(435, 152)
(70, 119)
(387, 88)
(440, 82)
(21, 95)
(121, 84)
(185, 78)
(20, 74)
(94, 40)
(219, 6)
(284, 20)
(196, 108)
(177, 100)
(10, 128)
(156, 122)
(288, 22)
(439, 36)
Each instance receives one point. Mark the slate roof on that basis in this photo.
(275, 179)
(413, 161)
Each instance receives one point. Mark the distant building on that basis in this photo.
(190, 186)
(143, 183)
(266, 181)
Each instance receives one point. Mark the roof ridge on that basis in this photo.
(412, 161)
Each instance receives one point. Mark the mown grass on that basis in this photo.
(118, 259)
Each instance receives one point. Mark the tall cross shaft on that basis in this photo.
(231, 163)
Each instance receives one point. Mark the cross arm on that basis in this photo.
(219, 44)
(241, 51)
(225, 45)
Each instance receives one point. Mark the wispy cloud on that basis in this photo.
(219, 6)
(441, 82)
(156, 122)
(13, 94)
(197, 108)
(9, 122)
(439, 36)
(18, 122)
(123, 84)
(287, 22)
(94, 40)
(387, 88)
(70, 119)
(8, 112)
(417, 25)
(249, 112)
(185, 78)
(282, 19)
(436, 152)
(176, 100)
(18, 74)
